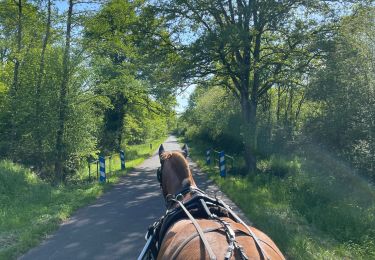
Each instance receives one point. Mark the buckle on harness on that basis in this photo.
(179, 197)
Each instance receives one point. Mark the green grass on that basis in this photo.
(311, 204)
(31, 208)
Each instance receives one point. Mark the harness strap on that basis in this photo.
(231, 236)
(199, 230)
(229, 232)
(191, 237)
(256, 239)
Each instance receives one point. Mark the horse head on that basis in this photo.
(174, 174)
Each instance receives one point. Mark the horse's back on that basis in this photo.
(183, 242)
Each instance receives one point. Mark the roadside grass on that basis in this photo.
(31, 208)
(310, 204)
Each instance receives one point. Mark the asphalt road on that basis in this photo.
(113, 227)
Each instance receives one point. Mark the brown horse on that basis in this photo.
(218, 238)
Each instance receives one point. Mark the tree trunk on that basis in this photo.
(289, 114)
(249, 137)
(300, 103)
(249, 108)
(15, 85)
(278, 104)
(38, 109)
(269, 122)
(63, 102)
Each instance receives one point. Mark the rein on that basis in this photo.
(198, 228)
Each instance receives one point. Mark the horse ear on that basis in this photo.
(185, 150)
(161, 150)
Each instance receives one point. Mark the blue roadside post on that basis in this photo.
(222, 164)
(208, 157)
(102, 176)
(122, 157)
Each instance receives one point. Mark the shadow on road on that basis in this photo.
(111, 228)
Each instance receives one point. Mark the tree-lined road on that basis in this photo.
(114, 226)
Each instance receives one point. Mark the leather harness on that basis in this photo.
(201, 206)
(198, 206)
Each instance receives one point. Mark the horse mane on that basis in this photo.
(165, 156)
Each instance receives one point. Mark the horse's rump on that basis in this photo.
(183, 242)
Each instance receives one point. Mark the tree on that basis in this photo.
(343, 90)
(251, 45)
(213, 115)
(56, 88)
(129, 48)
(38, 86)
(19, 36)
(15, 85)
(63, 105)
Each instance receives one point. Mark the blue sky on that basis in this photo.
(61, 5)
(183, 99)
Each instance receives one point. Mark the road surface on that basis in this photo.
(113, 227)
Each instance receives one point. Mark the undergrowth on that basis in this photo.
(311, 204)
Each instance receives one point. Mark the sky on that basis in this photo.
(61, 5)
(182, 98)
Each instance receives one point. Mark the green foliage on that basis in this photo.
(139, 107)
(315, 141)
(142, 125)
(331, 104)
(248, 48)
(211, 115)
(318, 210)
(344, 90)
(278, 166)
(108, 84)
